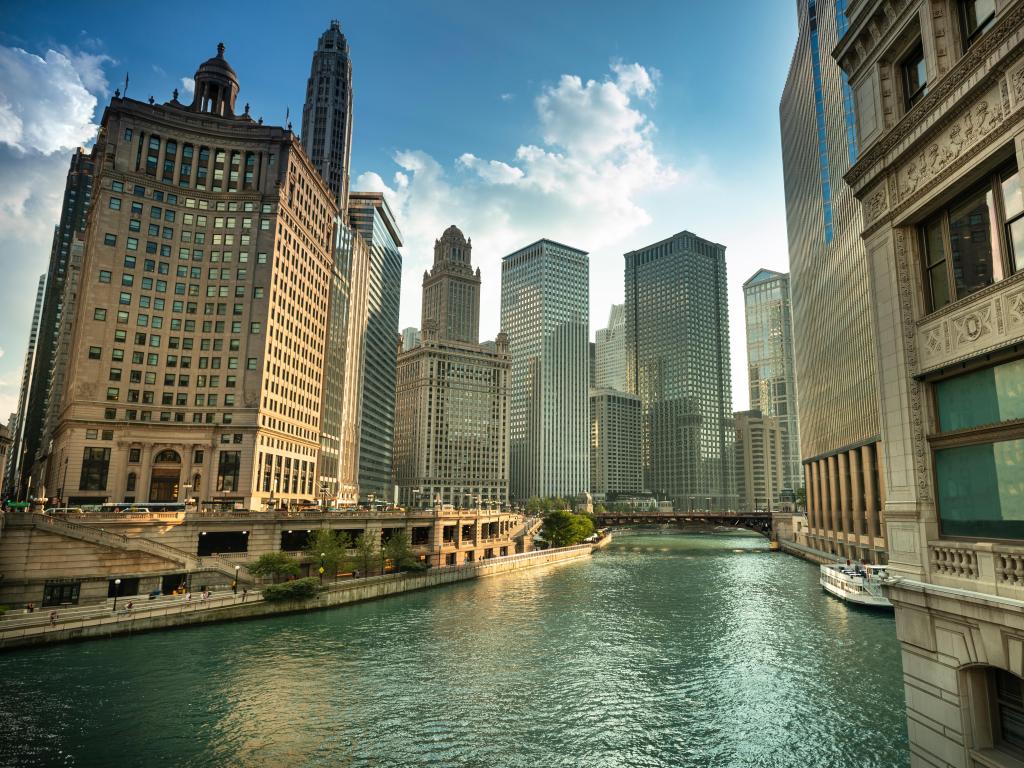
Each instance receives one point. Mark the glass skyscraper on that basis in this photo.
(545, 300)
(372, 218)
(677, 363)
(770, 367)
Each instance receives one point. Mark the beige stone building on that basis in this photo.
(939, 93)
(198, 344)
(452, 402)
(760, 460)
(616, 468)
(833, 336)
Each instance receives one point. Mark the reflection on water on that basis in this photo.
(665, 650)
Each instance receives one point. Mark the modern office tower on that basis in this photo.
(5, 451)
(198, 343)
(591, 362)
(760, 460)
(372, 218)
(451, 413)
(837, 382)
(77, 196)
(451, 290)
(343, 368)
(327, 113)
(938, 89)
(610, 352)
(770, 364)
(615, 467)
(16, 488)
(677, 363)
(410, 338)
(48, 468)
(545, 297)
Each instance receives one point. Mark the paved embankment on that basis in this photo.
(807, 553)
(182, 613)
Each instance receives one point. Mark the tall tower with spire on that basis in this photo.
(451, 290)
(327, 113)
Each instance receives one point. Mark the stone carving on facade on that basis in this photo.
(1017, 79)
(975, 123)
(876, 203)
(973, 325)
(909, 332)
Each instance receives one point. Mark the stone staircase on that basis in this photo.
(185, 560)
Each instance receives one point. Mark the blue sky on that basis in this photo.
(603, 125)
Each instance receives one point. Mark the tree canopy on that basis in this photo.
(399, 550)
(333, 546)
(563, 528)
(367, 553)
(276, 565)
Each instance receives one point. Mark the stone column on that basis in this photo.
(844, 499)
(857, 496)
(809, 501)
(867, 454)
(833, 495)
(145, 474)
(826, 506)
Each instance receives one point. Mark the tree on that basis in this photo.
(801, 497)
(563, 529)
(367, 552)
(275, 564)
(399, 550)
(534, 506)
(599, 509)
(333, 545)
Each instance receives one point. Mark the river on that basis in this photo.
(667, 649)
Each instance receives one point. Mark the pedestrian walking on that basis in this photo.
(245, 591)
(234, 587)
(53, 618)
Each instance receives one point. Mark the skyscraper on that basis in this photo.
(375, 223)
(545, 297)
(451, 412)
(770, 366)
(610, 349)
(759, 460)
(77, 197)
(615, 467)
(677, 363)
(198, 346)
(410, 338)
(327, 113)
(18, 456)
(837, 381)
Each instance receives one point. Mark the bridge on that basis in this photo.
(759, 522)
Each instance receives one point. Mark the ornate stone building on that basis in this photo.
(760, 460)
(833, 336)
(451, 409)
(198, 342)
(939, 93)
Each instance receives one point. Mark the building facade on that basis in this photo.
(410, 338)
(939, 94)
(677, 363)
(372, 219)
(545, 304)
(770, 364)
(837, 392)
(615, 468)
(610, 352)
(760, 460)
(451, 409)
(18, 456)
(327, 113)
(198, 344)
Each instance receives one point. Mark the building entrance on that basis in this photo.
(163, 484)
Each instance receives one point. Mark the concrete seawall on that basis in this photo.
(807, 553)
(334, 595)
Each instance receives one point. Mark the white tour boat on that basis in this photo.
(861, 585)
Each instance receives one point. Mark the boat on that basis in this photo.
(860, 585)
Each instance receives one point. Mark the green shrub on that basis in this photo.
(299, 589)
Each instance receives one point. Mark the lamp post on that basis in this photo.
(117, 592)
(323, 556)
(237, 569)
(382, 558)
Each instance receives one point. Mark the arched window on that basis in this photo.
(167, 456)
(131, 481)
(197, 482)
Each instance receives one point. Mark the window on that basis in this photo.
(134, 455)
(979, 472)
(915, 77)
(110, 239)
(963, 246)
(228, 465)
(95, 466)
(94, 353)
(99, 314)
(115, 203)
(976, 16)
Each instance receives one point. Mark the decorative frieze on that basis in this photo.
(992, 321)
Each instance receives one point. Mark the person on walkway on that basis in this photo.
(53, 618)
(128, 608)
(234, 587)
(30, 607)
(245, 591)
(188, 596)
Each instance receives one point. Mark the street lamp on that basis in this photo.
(382, 558)
(237, 569)
(323, 556)
(117, 592)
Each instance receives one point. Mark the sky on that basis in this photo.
(600, 125)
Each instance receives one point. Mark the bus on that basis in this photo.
(136, 507)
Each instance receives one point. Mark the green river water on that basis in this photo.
(666, 649)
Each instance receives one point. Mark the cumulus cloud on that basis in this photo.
(188, 85)
(45, 102)
(581, 184)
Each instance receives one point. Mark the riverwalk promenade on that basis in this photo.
(99, 621)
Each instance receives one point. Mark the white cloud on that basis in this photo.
(188, 85)
(45, 103)
(584, 184)
(507, 96)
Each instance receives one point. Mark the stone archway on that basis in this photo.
(163, 484)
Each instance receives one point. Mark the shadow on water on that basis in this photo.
(667, 649)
